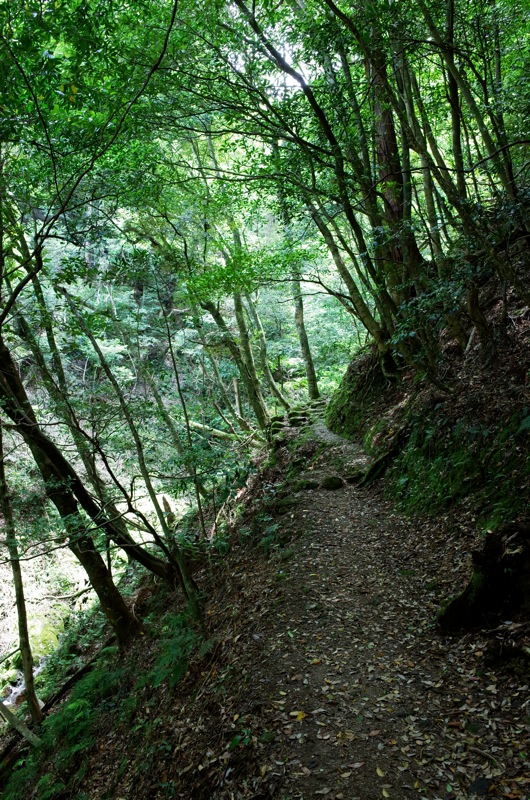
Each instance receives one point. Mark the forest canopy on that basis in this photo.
(205, 209)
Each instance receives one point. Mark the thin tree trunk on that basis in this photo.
(463, 87)
(454, 102)
(359, 305)
(59, 395)
(312, 385)
(19, 726)
(187, 583)
(237, 396)
(150, 380)
(183, 405)
(262, 348)
(23, 631)
(480, 323)
(59, 479)
(497, 111)
(123, 622)
(428, 194)
(251, 383)
(115, 528)
(234, 412)
(339, 159)
(164, 413)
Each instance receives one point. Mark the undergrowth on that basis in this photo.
(109, 695)
(442, 463)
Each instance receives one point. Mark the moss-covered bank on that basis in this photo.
(359, 397)
(441, 448)
(446, 460)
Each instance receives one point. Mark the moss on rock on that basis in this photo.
(45, 628)
(302, 485)
(332, 482)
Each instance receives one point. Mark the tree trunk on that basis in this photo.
(454, 102)
(164, 413)
(23, 632)
(235, 412)
(58, 393)
(466, 93)
(169, 546)
(150, 380)
(428, 193)
(19, 726)
(480, 323)
(123, 622)
(401, 255)
(110, 519)
(250, 381)
(237, 397)
(312, 385)
(58, 477)
(361, 309)
(196, 482)
(262, 347)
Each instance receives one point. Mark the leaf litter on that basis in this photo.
(328, 676)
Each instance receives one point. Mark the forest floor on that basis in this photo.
(329, 677)
(323, 672)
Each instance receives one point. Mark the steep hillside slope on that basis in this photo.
(321, 671)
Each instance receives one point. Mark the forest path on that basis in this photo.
(323, 673)
(346, 674)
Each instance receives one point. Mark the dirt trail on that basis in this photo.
(347, 675)
(324, 674)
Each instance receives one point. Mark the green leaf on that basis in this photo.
(524, 426)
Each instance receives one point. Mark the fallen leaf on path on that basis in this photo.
(297, 714)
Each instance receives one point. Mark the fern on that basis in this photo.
(207, 647)
(50, 787)
(175, 649)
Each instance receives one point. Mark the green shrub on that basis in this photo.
(69, 734)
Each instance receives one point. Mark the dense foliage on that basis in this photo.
(205, 209)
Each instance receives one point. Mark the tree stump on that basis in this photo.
(500, 584)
